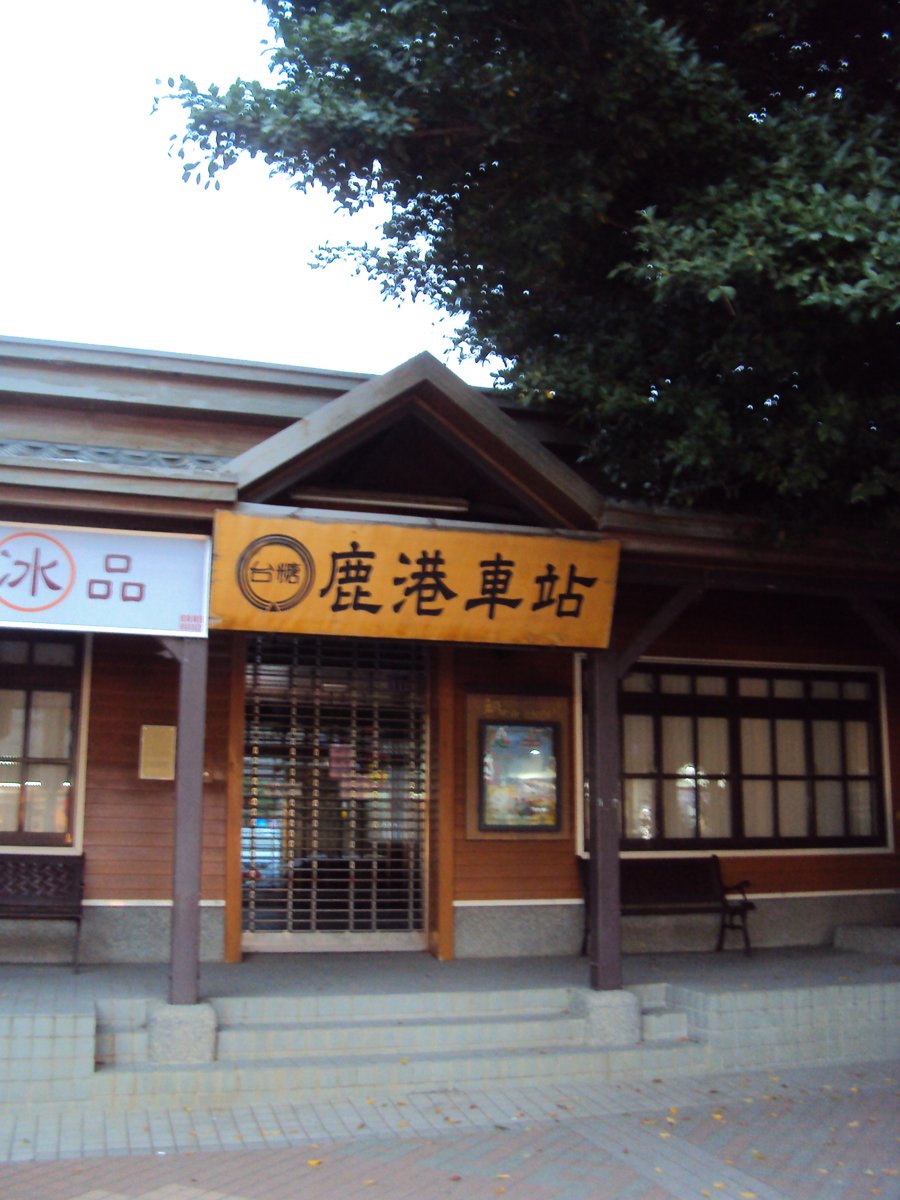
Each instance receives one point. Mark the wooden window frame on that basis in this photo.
(733, 707)
(31, 677)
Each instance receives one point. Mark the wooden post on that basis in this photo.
(184, 971)
(605, 944)
(442, 854)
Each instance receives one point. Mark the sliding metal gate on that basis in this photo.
(334, 793)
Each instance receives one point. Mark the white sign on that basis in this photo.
(104, 580)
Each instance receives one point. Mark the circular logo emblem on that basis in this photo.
(275, 572)
(36, 572)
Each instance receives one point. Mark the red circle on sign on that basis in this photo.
(43, 537)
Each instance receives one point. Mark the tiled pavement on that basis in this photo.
(823, 1133)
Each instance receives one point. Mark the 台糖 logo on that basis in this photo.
(275, 572)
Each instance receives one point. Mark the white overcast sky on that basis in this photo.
(103, 243)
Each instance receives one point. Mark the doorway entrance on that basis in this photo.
(335, 781)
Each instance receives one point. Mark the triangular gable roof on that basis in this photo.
(455, 412)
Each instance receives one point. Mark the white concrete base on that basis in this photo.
(869, 939)
(611, 1018)
(181, 1033)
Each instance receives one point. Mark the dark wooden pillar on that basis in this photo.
(184, 970)
(605, 944)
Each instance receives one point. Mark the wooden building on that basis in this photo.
(441, 666)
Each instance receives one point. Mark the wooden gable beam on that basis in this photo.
(881, 626)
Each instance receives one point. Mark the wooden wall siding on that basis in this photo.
(140, 431)
(754, 627)
(502, 870)
(129, 822)
(784, 630)
(721, 627)
(442, 771)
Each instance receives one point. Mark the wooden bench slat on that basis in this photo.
(43, 887)
(674, 886)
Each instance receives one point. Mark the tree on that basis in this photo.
(675, 220)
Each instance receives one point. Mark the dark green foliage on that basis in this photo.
(680, 220)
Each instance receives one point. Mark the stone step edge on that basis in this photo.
(293, 1010)
(454, 1021)
(365, 1007)
(550, 1002)
(365, 1056)
(539, 1061)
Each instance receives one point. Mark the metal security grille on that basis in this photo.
(334, 786)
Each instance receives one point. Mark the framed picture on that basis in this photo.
(519, 788)
(518, 767)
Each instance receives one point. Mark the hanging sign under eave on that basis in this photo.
(103, 580)
(362, 579)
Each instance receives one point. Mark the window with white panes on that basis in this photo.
(751, 757)
(40, 680)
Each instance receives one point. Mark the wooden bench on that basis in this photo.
(670, 886)
(43, 887)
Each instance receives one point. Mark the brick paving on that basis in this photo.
(829, 1133)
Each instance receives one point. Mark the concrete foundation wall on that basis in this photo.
(108, 934)
(518, 930)
(141, 934)
(497, 931)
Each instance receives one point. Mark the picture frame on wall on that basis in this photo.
(519, 778)
(519, 767)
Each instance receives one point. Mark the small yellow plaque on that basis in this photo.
(157, 752)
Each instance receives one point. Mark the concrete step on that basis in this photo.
(118, 1044)
(364, 1074)
(265, 1029)
(293, 1010)
(271, 1027)
(413, 1035)
(663, 1024)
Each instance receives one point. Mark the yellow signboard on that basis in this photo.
(361, 579)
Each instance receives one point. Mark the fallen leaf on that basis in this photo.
(314, 1162)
